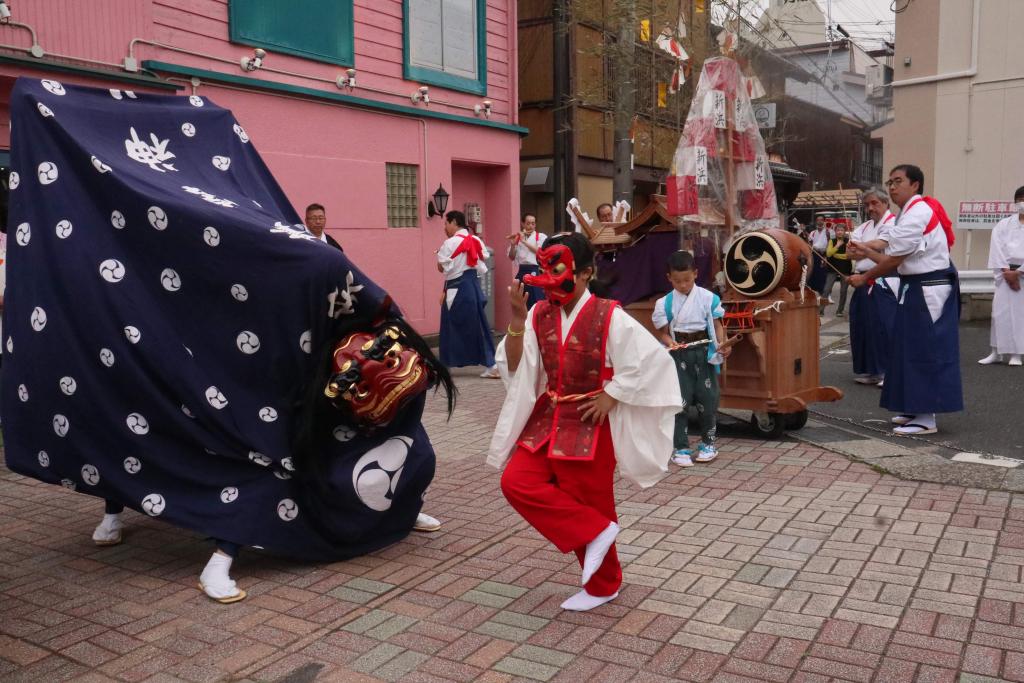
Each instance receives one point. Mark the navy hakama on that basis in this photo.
(871, 317)
(465, 333)
(924, 369)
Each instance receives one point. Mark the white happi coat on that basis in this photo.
(644, 383)
(1006, 249)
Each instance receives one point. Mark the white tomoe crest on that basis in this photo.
(239, 292)
(240, 132)
(286, 463)
(306, 341)
(132, 334)
(153, 504)
(137, 424)
(22, 393)
(13, 180)
(99, 165)
(195, 100)
(157, 217)
(268, 414)
(216, 398)
(344, 433)
(153, 153)
(112, 270)
(68, 484)
(188, 413)
(44, 110)
(287, 509)
(375, 475)
(188, 129)
(229, 494)
(260, 458)
(170, 280)
(63, 229)
(23, 234)
(68, 385)
(38, 319)
(211, 236)
(247, 342)
(221, 163)
(47, 172)
(44, 458)
(53, 87)
(107, 357)
(116, 94)
(61, 425)
(281, 474)
(90, 475)
(117, 219)
(132, 465)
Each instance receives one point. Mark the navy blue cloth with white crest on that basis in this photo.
(165, 313)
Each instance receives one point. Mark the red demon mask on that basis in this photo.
(374, 376)
(557, 274)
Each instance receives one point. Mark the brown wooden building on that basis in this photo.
(571, 132)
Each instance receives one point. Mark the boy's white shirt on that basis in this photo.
(689, 311)
(644, 385)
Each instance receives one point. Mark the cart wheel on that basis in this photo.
(768, 425)
(796, 421)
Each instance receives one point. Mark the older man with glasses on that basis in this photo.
(923, 373)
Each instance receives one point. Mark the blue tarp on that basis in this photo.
(164, 312)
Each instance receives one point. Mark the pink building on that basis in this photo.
(364, 106)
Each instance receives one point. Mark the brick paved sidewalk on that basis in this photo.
(777, 562)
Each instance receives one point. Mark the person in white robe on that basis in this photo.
(1006, 258)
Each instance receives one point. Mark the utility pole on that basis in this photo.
(624, 94)
(561, 165)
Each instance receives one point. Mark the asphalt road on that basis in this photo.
(992, 422)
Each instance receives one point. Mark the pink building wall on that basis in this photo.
(323, 151)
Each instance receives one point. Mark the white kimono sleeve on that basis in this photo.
(523, 388)
(646, 387)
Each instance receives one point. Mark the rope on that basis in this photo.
(572, 398)
(685, 345)
(776, 306)
(803, 282)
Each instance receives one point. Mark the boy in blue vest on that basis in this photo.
(688, 320)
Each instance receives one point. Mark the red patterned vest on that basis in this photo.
(577, 367)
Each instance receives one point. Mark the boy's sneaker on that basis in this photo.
(682, 458)
(706, 453)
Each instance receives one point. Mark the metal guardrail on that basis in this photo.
(977, 282)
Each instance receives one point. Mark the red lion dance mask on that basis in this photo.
(557, 274)
(375, 375)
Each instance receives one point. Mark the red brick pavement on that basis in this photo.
(777, 562)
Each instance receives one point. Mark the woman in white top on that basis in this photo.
(1005, 258)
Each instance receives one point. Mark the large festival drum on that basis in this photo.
(757, 263)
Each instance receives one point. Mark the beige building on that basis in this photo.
(959, 105)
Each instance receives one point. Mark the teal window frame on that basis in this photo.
(422, 74)
(345, 55)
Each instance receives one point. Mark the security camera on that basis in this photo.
(421, 95)
(347, 81)
(5, 11)
(483, 109)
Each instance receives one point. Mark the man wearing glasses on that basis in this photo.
(923, 377)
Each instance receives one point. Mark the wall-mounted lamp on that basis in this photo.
(348, 81)
(483, 109)
(437, 206)
(5, 11)
(421, 95)
(254, 62)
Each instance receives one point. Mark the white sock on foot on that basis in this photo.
(584, 601)
(109, 530)
(1014, 359)
(215, 579)
(597, 549)
(990, 358)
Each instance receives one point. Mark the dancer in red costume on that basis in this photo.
(588, 387)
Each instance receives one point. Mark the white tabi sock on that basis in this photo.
(597, 549)
(925, 419)
(215, 580)
(584, 601)
(109, 530)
